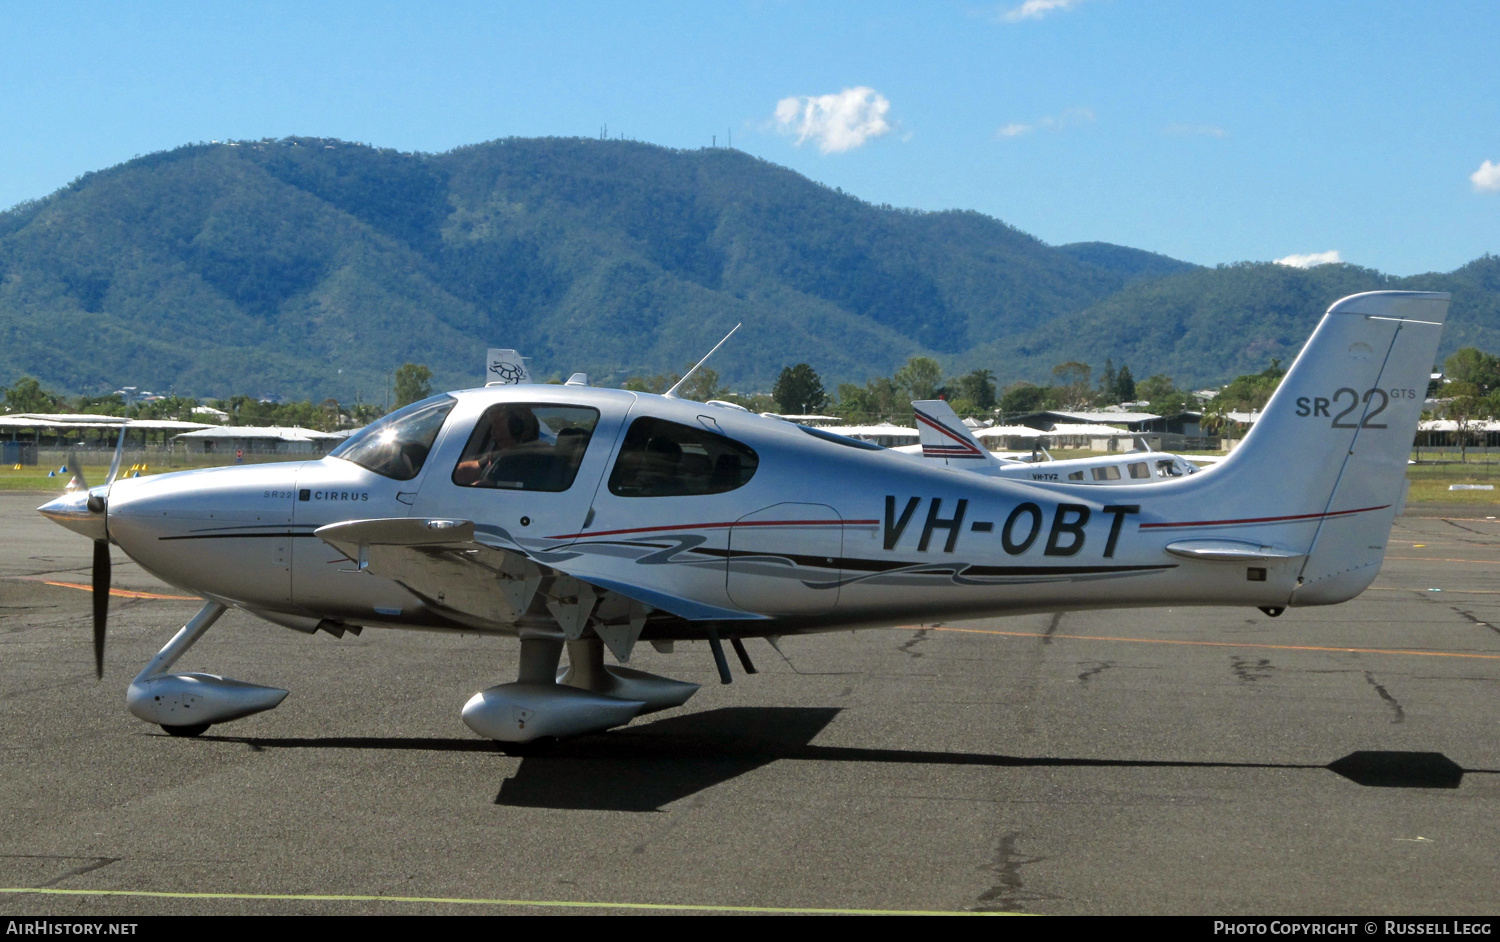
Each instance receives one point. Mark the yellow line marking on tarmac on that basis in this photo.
(1207, 644)
(1439, 559)
(125, 593)
(1397, 588)
(548, 903)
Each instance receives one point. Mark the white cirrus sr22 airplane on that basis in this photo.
(582, 518)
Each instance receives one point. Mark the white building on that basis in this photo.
(253, 440)
(886, 434)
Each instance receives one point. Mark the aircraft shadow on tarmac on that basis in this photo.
(646, 767)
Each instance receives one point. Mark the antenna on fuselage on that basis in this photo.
(672, 393)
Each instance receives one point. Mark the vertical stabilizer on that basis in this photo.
(505, 368)
(1325, 466)
(947, 440)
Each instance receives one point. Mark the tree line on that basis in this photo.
(1469, 392)
(978, 392)
(799, 390)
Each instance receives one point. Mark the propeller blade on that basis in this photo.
(76, 482)
(114, 466)
(101, 602)
(101, 554)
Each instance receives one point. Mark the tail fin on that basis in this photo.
(1326, 463)
(946, 439)
(505, 368)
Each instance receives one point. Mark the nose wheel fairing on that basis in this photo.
(191, 700)
(187, 704)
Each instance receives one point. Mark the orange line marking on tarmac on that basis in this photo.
(1209, 644)
(125, 593)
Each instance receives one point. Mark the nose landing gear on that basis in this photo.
(188, 704)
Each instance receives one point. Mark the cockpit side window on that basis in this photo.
(665, 459)
(526, 447)
(397, 445)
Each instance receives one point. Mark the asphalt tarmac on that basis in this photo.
(1340, 760)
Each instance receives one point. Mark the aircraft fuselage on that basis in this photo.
(821, 535)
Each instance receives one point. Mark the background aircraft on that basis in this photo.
(947, 441)
(578, 518)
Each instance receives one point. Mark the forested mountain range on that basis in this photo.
(312, 267)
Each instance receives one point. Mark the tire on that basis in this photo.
(536, 747)
(196, 729)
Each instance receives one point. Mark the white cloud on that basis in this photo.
(1312, 259)
(1070, 118)
(1195, 130)
(835, 122)
(1487, 178)
(1036, 9)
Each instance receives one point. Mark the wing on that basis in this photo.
(474, 580)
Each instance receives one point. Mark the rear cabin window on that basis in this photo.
(1075, 476)
(522, 446)
(1107, 473)
(666, 459)
(1139, 469)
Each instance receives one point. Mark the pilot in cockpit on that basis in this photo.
(511, 428)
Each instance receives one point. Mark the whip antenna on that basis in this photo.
(672, 393)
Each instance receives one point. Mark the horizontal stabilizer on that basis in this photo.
(1235, 551)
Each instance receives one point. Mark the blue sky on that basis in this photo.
(1212, 132)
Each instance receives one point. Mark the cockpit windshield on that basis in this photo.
(397, 445)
